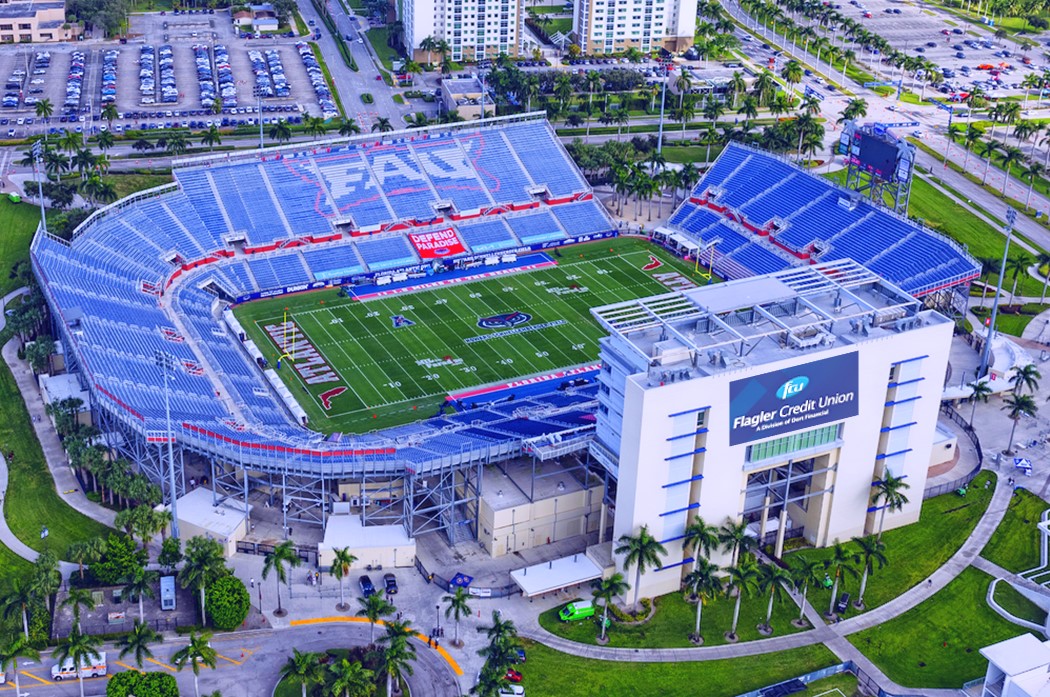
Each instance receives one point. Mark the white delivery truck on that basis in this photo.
(92, 667)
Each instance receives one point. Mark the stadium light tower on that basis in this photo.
(1011, 218)
(663, 98)
(38, 160)
(167, 362)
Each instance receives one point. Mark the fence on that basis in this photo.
(443, 583)
(968, 477)
(169, 624)
(307, 554)
(865, 683)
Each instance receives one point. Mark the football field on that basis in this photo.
(361, 365)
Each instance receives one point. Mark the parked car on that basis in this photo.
(843, 604)
(513, 676)
(367, 588)
(578, 610)
(390, 583)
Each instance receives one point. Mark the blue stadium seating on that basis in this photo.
(445, 162)
(534, 228)
(388, 252)
(356, 194)
(488, 236)
(275, 271)
(333, 262)
(406, 188)
(300, 194)
(499, 168)
(583, 218)
(541, 155)
(759, 259)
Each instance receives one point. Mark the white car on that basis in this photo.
(918, 134)
(512, 691)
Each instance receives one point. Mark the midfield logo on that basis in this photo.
(401, 321)
(510, 319)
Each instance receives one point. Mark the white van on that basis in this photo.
(89, 668)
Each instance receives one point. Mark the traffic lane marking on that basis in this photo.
(125, 665)
(34, 677)
(225, 658)
(162, 665)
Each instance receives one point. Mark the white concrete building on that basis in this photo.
(611, 26)
(474, 29)
(1018, 667)
(775, 399)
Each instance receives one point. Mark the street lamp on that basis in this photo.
(167, 362)
(1011, 218)
(437, 616)
(258, 114)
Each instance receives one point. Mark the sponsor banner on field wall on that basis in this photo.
(793, 399)
(438, 244)
(416, 268)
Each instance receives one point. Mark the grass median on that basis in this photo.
(1015, 543)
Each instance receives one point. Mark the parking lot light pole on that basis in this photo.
(1011, 218)
(258, 114)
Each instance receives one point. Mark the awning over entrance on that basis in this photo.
(554, 575)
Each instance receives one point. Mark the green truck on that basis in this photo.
(577, 610)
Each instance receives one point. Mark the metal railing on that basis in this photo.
(969, 476)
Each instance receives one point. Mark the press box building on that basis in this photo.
(774, 399)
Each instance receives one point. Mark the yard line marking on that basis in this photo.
(125, 665)
(162, 665)
(30, 675)
(226, 658)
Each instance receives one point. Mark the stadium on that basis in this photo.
(154, 299)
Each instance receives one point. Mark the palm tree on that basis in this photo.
(80, 648)
(501, 631)
(78, 598)
(871, 555)
(774, 579)
(44, 109)
(803, 572)
(735, 539)
(197, 653)
(19, 647)
(1016, 406)
(979, 392)
(382, 125)
(341, 563)
(16, 600)
(1025, 377)
(374, 607)
(350, 680)
(399, 653)
(204, 564)
(1033, 171)
(703, 583)
(988, 150)
(458, 608)
(280, 131)
(792, 72)
(110, 113)
(700, 538)
(211, 137)
(1015, 266)
(889, 492)
(605, 589)
(742, 579)
(842, 562)
(315, 126)
(643, 552)
(428, 44)
(176, 143)
(275, 561)
(105, 140)
(137, 642)
(140, 586)
(749, 108)
(1011, 156)
(302, 669)
(349, 127)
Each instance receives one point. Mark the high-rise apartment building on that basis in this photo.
(474, 29)
(611, 26)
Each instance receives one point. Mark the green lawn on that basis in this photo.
(674, 622)
(378, 37)
(1015, 543)
(1017, 605)
(845, 683)
(935, 644)
(549, 673)
(914, 551)
(18, 221)
(127, 183)
(690, 153)
(443, 348)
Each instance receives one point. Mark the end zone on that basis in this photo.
(530, 262)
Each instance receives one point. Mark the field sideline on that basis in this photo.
(397, 357)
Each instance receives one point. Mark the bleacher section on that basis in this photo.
(811, 224)
(151, 275)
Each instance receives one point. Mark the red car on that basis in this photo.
(513, 676)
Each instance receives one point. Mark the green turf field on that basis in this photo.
(397, 374)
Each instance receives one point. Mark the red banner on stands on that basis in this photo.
(435, 245)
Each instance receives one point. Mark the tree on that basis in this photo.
(18, 647)
(382, 125)
(375, 607)
(842, 562)
(702, 582)
(792, 72)
(457, 607)
(743, 580)
(204, 565)
(78, 598)
(38, 354)
(315, 126)
(988, 150)
(196, 654)
(275, 561)
(804, 571)
(302, 669)
(170, 554)
(110, 113)
(774, 579)
(749, 108)
(349, 127)
(701, 539)
(137, 641)
(228, 602)
(86, 552)
(501, 631)
(605, 589)
(350, 680)
(735, 539)
(872, 554)
(105, 141)
(177, 143)
(979, 392)
(132, 683)
(1016, 406)
(341, 563)
(280, 131)
(1025, 377)
(15, 602)
(1010, 157)
(641, 551)
(81, 649)
(889, 496)
(1033, 171)
(211, 137)
(398, 653)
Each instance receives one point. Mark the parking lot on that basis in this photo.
(168, 74)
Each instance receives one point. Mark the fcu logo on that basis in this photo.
(793, 387)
